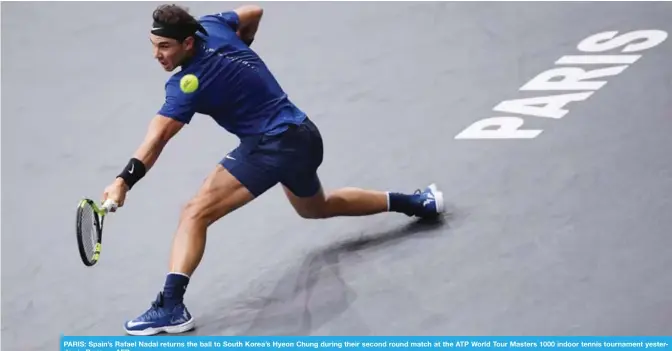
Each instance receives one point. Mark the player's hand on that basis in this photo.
(116, 192)
(247, 41)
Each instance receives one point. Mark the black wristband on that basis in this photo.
(133, 172)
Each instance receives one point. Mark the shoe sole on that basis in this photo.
(173, 329)
(438, 197)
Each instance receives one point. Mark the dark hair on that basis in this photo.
(177, 17)
(173, 14)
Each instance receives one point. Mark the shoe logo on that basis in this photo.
(183, 318)
(430, 199)
(132, 324)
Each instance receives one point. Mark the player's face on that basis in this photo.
(169, 52)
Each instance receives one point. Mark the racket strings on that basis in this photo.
(89, 233)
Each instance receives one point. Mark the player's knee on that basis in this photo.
(311, 213)
(316, 210)
(196, 209)
(310, 210)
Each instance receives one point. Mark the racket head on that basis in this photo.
(89, 231)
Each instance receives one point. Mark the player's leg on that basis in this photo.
(303, 188)
(343, 202)
(232, 184)
(350, 201)
(220, 194)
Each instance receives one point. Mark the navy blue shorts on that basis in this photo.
(290, 158)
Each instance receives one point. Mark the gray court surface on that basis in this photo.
(568, 233)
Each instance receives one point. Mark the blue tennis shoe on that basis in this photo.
(160, 318)
(428, 202)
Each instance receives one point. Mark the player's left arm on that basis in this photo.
(177, 110)
(160, 131)
(249, 17)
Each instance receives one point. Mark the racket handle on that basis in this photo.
(109, 205)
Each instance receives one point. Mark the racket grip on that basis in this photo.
(109, 205)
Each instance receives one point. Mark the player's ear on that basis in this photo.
(189, 43)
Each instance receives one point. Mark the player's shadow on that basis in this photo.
(307, 296)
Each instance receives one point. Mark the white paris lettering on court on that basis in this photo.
(576, 83)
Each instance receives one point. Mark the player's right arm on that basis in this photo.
(249, 17)
(243, 21)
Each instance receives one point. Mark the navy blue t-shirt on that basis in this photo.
(235, 87)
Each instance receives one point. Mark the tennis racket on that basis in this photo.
(90, 218)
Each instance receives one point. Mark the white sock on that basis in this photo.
(182, 274)
(388, 201)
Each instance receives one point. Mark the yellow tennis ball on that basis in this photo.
(189, 83)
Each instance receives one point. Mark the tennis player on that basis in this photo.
(278, 144)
